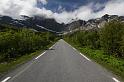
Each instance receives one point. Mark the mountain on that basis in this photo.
(33, 23)
(93, 23)
(46, 24)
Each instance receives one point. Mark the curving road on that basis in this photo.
(61, 63)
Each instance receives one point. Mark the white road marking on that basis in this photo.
(51, 47)
(6, 79)
(22, 71)
(115, 79)
(90, 60)
(74, 48)
(29, 65)
(85, 57)
(40, 55)
(79, 52)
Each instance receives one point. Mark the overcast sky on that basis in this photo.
(63, 11)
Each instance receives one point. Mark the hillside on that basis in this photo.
(32, 22)
(93, 24)
(44, 24)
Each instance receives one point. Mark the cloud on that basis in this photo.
(112, 8)
(82, 13)
(87, 12)
(15, 8)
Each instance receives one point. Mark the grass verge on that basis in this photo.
(115, 65)
(6, 67)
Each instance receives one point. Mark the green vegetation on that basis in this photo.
(105, 46)
(111, 38)
(7, 66)
(19, 45)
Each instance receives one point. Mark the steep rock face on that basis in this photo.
(93, 24)
(75, 25)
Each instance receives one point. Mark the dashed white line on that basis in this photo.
(21, 71)
(6, 79)
(51, 47)
(40, 55)
(85, 57)
(90, 60)
(115, 79)
(79, 52)
(74, 48)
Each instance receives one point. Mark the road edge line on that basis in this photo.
(6, 79)
(116, 80)
(45, 52)
(78, 51)
(40, 55)
(85, 57)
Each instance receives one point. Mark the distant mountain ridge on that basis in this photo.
(42, 24)
(33, 22)
(93, 23)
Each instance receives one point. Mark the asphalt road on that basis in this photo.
(61, 63)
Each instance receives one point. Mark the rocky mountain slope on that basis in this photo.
(93, 23)
(42, 24)
(33, 23)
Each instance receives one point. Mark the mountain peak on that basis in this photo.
(51, 24)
